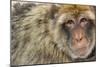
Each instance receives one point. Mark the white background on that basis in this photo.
(5, 34)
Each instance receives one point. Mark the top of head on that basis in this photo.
(77, 10)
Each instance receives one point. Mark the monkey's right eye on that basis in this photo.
(69, 23)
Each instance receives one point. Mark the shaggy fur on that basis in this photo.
(37, 38)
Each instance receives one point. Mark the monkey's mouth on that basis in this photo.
(81, 51)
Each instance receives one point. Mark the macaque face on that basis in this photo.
(80, 30)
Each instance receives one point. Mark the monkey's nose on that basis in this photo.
(79, 39)
(80, 42)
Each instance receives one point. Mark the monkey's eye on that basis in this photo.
(69, 23)
(83, 21)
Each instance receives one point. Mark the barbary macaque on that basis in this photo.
(54, 33)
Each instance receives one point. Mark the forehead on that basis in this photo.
(73, 8)
(77, 11)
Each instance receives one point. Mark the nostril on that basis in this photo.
(80, 38)
(77, 40)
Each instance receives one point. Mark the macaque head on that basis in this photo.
(75, 32)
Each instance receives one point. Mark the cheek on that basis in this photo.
(67, 32)
(68, 36)
(90, 31)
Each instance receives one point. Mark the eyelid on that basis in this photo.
(83, 20)
(70, 21)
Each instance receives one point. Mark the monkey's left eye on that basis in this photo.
(83, 21)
